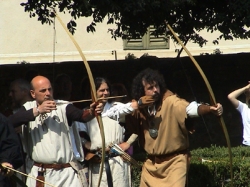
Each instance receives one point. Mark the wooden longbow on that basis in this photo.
(93, 93)
(211, 96)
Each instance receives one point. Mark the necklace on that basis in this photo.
(153, 131)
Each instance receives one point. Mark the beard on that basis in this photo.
(156, 96)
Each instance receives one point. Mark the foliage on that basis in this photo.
(23, 62)
(210, 167)
(132, 18)
(130, 56)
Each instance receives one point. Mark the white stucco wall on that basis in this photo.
(26, 39)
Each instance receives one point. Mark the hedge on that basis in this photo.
(210, 167)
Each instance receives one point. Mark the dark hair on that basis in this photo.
(100, 80)
(150, 76)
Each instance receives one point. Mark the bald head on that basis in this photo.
(38, 80)
(41, 89)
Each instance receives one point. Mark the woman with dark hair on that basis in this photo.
(117, 171)
(160, 124)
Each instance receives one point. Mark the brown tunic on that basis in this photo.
(170, 122)
(172, 137)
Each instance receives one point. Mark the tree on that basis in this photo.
(133, 17)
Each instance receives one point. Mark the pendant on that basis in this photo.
(153, 132)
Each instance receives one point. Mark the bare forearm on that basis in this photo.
(237, 93)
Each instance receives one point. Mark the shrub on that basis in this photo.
(210, 167)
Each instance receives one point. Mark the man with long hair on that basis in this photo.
(160, 124)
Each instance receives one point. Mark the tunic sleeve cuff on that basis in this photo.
(87, 115)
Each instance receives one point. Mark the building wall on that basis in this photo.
(26, 39)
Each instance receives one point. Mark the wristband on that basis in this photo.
(132, 138)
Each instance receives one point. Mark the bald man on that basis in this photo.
(48, 138)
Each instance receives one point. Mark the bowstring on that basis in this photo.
(191, 88)
(54, 50)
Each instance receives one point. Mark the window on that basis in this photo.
(148, 41)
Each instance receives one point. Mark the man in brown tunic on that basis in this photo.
(160, 124)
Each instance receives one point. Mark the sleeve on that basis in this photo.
(119, 110)
(76, 114)
(192, 109)
(10, 149)
(23, 116)
(240, 107)
(133, 126)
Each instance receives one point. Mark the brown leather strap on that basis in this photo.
(52, 166)
(94, 158)
(40, 176)
(161, 158)
(203, 109)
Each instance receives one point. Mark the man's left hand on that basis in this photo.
(217, 110)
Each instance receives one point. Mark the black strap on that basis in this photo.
(108, 172)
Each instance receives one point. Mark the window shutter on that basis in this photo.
(160, 42)
(148, 41)
(134, 44)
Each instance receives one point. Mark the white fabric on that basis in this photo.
(117, 111)
(62, 178)
(50, 142)
(245, 115)
(76, 153)
(120, 171)
(80, 126)
(192, 109)
(76, 139)
(112, 130)
(114, 133)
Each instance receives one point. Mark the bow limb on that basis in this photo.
(93, 94)
(211, 96)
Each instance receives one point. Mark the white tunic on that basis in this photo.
(49, 142)
(114, 133)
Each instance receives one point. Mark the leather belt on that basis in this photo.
(43, 167)
(52, 166)
(161, 158)
(96, 158)
(108, 171)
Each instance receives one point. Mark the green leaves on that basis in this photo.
(132, 18)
